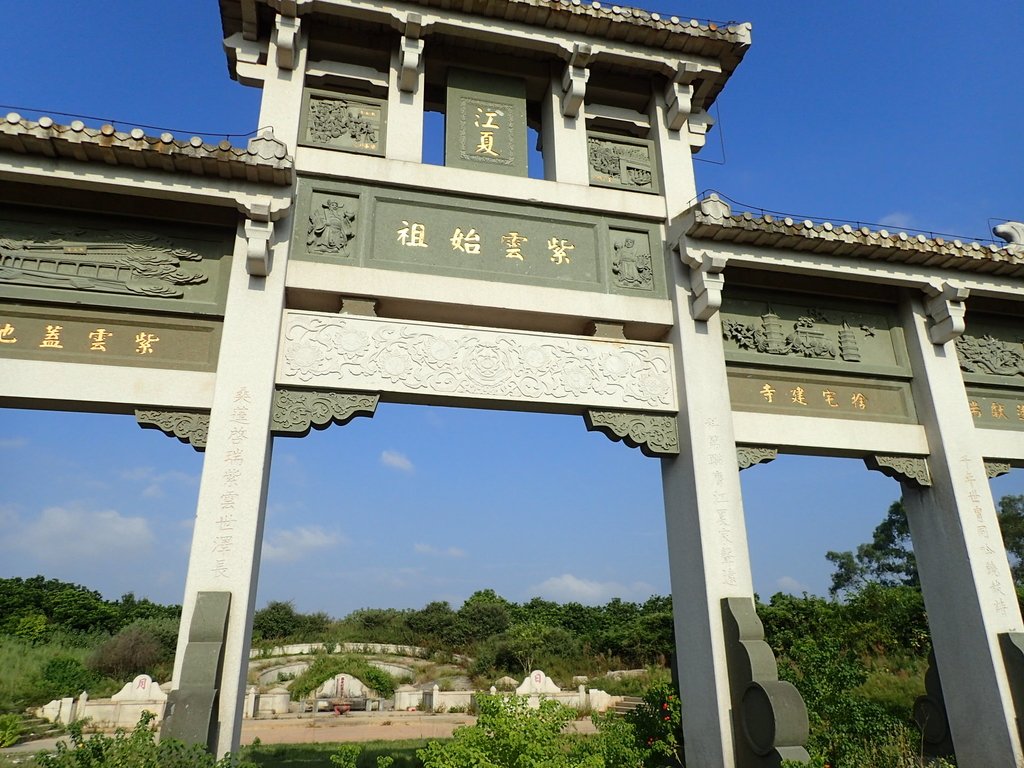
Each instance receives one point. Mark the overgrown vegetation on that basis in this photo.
(325, 667)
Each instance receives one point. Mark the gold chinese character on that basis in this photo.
(489, 122)
(768, 393)
(558, 248)
(830, 398)
(486, 145)
(513, 243)
(1020, 412)
(98, 339)
(859, 401)
(467, 242)
(144, 343)
(998, 411)
(975, 408)
(412, 235)
(798, 396)
(6, 331)
(52, 338)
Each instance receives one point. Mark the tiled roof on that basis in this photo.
(265, 159)
(713, 219)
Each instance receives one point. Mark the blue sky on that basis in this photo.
(865, 111)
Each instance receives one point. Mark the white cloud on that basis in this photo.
(13, 442)
(791, 586)
(291, 544)
(155, 482)
(569, 588)
(427, 549)
(396, 460)
(62, 533)
(897, 220)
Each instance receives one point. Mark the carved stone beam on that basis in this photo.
(749, 455)
(286, 40)
(769, 716)
(912, 470)
(945, 308)
(259, 230)
(188, 426)
(296, 411)
(574, 80)
(997, 468)
(706, 281)
(654, 434)
(410, 58)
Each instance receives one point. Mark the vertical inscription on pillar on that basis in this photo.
(720, 499)
(234, 459)
(988, 535)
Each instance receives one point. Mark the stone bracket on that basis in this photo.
(706, 281)
(574, 80)
(654, 434)
(997, 468)
(912, 470)
(286, 40)
(945, 308)
(769, 716)
(191, 712)
(261, 213)
(410, 58)
(930, 714)
(749, 455)
(699, 124)
(296, 411)
(188, 426)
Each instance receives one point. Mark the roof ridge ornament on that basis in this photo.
(1013, 233)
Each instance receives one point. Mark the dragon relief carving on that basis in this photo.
(631, 263)
(806, 339)
(127, 262)
(331, 227)
(987, 354)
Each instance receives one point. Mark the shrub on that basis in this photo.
(137, 749)
(10, 729)
(133, 651)
(66, 676)
(325, 667)
(658, 725)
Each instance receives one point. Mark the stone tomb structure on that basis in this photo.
(229, 294)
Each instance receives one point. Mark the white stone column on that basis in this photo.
(707, 540)
(563, 139)
(228, 535)
(965, 577)
(404, 138)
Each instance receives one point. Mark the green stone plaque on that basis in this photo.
(340, 121)
(622, 162)
(996, 409)
(108, 338)
(808, 394)
(57, 257)
(806, 332)
(485, 123)
(465, 237)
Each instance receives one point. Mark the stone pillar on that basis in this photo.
(405, 96)
(965, 577)
(228, 533)
(564, 124)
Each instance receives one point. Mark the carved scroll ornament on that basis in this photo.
(654, 434)
(296, 411)
(749, 455)
(912, 470)
(188, 426)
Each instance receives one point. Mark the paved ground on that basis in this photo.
(354, 726)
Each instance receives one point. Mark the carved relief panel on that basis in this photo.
(622, 162)
(340, 121)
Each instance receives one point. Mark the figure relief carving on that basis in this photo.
(807, 339)
(620, 163)
(345, 123)
(331, 227)
(189, 427)
(371, 354)
(127, 262)
(654, 434)
(987, 354)
(631, 262)
(296, 411)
